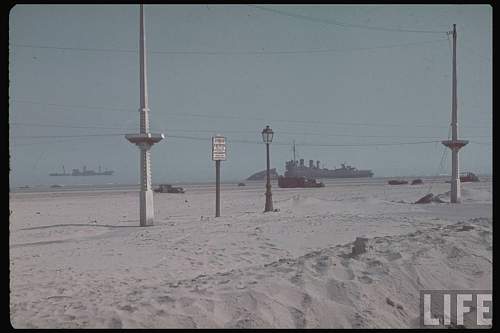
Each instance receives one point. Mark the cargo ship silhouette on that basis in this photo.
(84, 172)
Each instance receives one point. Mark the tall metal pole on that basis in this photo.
(144, 110)
(455, 175)
(217, 188)
(454, 144)
(454, 127)
(269, 199)
(144, 140)
(146, 196)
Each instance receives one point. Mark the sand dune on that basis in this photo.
(81, 261)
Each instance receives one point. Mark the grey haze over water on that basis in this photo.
(337, 79)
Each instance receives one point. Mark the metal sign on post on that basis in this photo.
(218, 154)
(218, 148)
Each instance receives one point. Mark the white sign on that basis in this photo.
(218, 148)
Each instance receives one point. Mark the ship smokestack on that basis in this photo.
(301, 162)
(317, 164)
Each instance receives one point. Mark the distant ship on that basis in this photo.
(84, 172)
(296, 168)
(60, 174)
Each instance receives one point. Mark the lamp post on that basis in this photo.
(267, 137)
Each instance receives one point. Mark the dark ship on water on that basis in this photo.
(298, 175)
(298, 169)
(294, 168)
(84, 172)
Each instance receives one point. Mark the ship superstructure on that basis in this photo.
(294, 168)
(84, 172)
(298, 169)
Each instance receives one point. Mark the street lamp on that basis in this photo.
(267, 137)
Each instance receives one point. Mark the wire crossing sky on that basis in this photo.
(346, 25)
(369, 85)
(257, 52)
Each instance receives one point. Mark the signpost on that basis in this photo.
(218, 154)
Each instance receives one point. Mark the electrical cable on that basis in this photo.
(343, 24)
(221, 116)
(239, 141)
(258, 52)
(166, 130)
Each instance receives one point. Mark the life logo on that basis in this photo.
(456, 308)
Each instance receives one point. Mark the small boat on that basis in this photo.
(467, 177)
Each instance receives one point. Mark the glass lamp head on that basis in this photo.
(267, 134)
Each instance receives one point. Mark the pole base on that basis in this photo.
(146, 208)
(455, 195)
(269, 203)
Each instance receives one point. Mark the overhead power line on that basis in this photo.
(256, 52)
(67, 136)
(90, 107)
(122, 128)
(65, 140)
(366, 144)
(481, 143)
(227, 116)
(229, 140)
(232, 140)
(65, 126)
(74, 48)
(295, 133)
(343, 24)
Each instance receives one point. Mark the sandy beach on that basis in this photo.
(79, 260)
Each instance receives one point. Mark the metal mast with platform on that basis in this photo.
(144, 140)
(454, 144)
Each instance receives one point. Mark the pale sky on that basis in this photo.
(337, 79)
